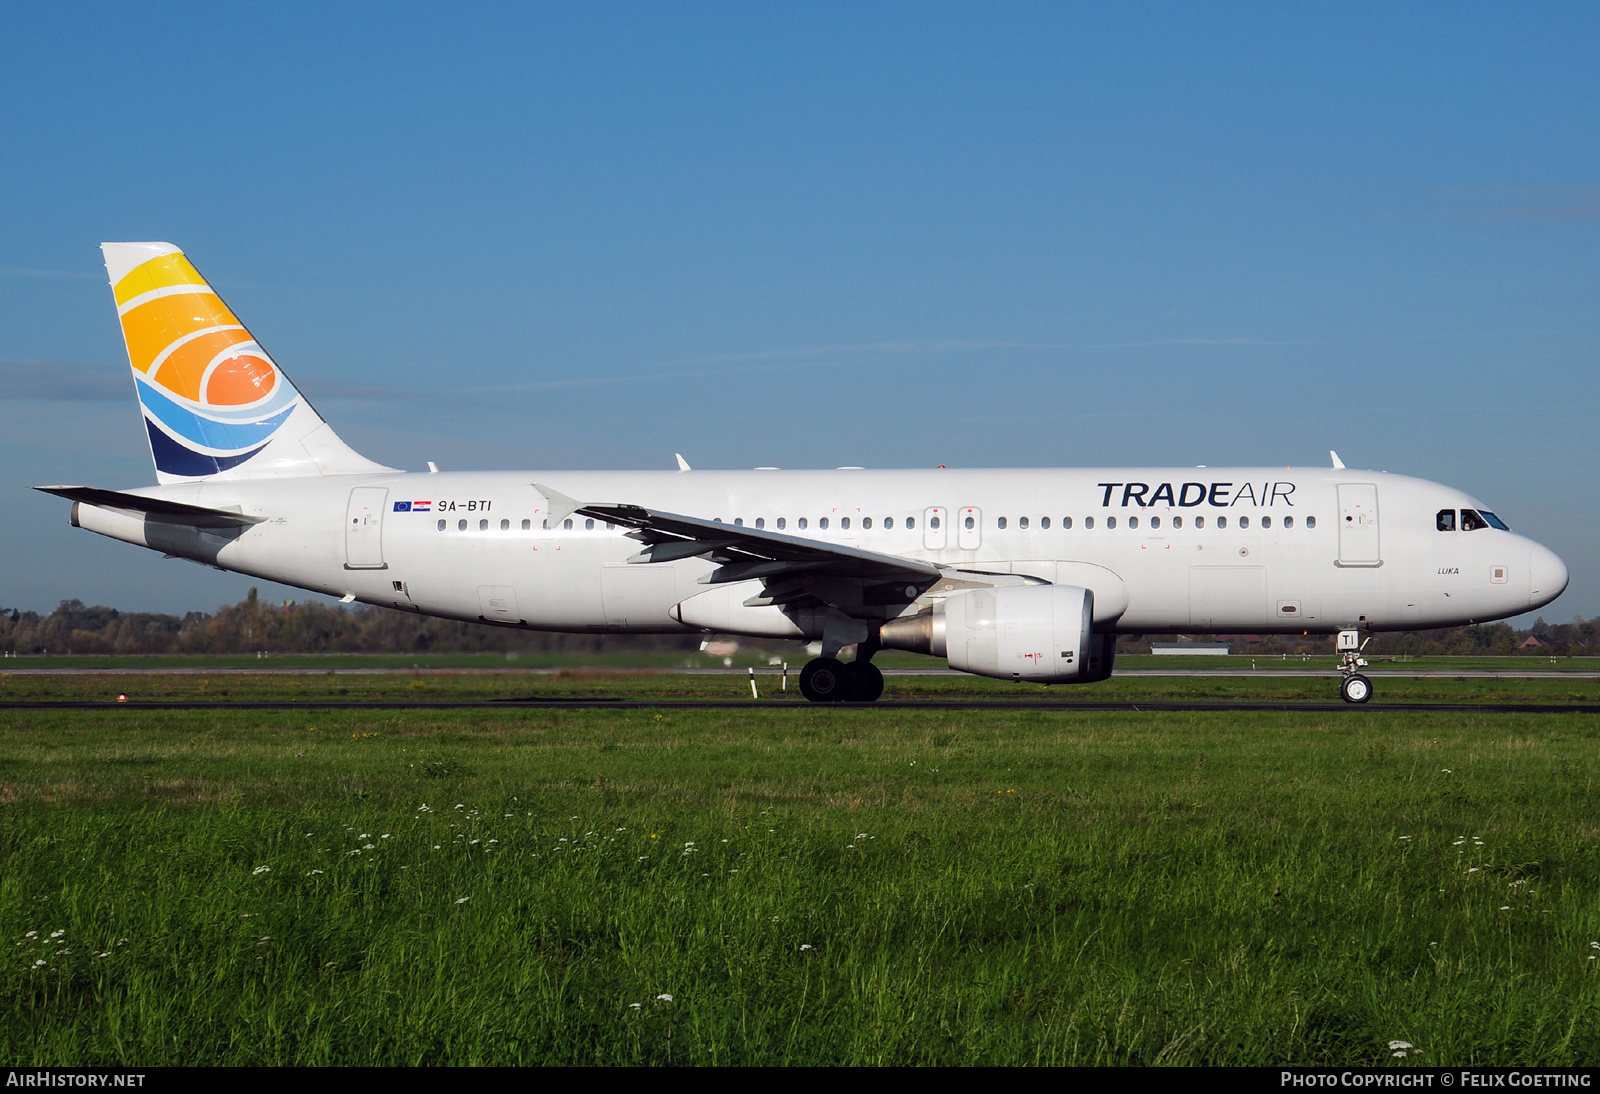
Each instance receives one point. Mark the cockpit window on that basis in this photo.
(1494, 521)
(1471, 521)
(1446, 520)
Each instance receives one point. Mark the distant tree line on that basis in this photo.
(1575, 639)
(254, 625)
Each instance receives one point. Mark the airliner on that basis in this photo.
(1023, 575)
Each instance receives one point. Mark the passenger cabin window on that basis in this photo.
(1445, 521)
(588, 525)
(866, 522)
(1288, 522)
(1133, 522)
(1244, 522)
(1311, 522)
(844, 522)
(823, 523)
(1022, 522)
(969, 523)
(441, 526)
(888, 522)
(803, 524)
(1199, 522)
(1177, 522)
(483, 526)
(933, 522)
(1044, 522)
(1002, 524)
(738, 522)
(527, 525)
(1088, 522)
(1111, 522)
(461, 525)
(1222, 522)
(1266, 522)
(761, 522)
(1066, 522)
(782, 523)
(567, 524)
(1155, 522)
(505, 526)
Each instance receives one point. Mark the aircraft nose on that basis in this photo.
(1547, 576)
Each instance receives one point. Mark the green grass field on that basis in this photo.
(810, 886)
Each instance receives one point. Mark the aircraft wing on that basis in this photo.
(174, 512)
(743, 553)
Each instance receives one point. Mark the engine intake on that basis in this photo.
(1042, 633)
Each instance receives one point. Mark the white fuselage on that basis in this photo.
(1208, 550)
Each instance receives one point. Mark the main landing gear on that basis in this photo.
(1354, 688)
(829, 680)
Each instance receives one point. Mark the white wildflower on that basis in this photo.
(261, 870)
(1399, 1044)
(665, 998)
(804, 946)
(463, 900)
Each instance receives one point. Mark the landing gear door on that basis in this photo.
(363, 529)
(935, 527)
(1358, 524)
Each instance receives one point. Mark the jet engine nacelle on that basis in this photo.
(1042, 633)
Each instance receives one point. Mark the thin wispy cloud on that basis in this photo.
(1544, 203)
(54, 381)
(27, 271)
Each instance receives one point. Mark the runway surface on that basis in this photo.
(1329, 673)
(889, 705)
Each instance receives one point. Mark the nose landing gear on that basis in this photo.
(1354, 688)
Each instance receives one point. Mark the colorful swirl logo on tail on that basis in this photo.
(212, 398)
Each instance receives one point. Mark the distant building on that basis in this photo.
(1190, 649)
(1535, 642)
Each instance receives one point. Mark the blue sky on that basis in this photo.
(887, 235)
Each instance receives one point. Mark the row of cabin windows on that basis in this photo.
(1472, 520)
(1154, 522)
(1446, 520)
(527, 525)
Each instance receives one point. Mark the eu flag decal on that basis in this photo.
(402, 507)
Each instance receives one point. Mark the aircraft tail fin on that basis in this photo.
(214, 403)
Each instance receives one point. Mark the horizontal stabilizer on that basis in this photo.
(174, 512)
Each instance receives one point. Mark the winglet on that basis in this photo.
(1338, 464)
(561, 506)
(683, 464)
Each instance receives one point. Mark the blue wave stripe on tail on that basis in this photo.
(174, 459)
(227, 436)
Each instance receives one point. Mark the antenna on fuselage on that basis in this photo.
(683, 464)
(1338, 464)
